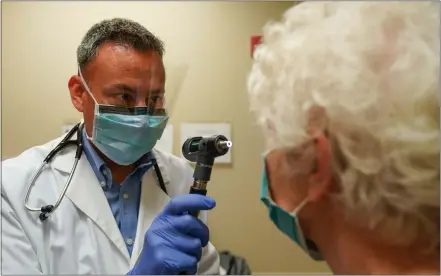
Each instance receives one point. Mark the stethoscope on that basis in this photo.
(47, 210)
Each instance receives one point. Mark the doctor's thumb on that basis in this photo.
(189, 203)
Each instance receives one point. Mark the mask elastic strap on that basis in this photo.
(294, 214)
(93, 98)
(87, 136)
(298, 208)
(85, 85)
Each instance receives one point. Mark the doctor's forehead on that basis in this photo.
(116, 61)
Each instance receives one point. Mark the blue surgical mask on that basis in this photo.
(286, 222)
(125, 138)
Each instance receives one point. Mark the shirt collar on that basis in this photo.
(98, 165)
(95, 160)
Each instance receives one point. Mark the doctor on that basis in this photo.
(125, 211)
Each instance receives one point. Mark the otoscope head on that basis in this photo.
(203, 151)
(209, 147)
(224, 144)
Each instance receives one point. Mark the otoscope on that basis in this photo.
(203, 151)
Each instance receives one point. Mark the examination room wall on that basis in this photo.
(39, 42)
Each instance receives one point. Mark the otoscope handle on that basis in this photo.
(194, 190)
(195, 214)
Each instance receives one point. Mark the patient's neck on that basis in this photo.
(349, 250)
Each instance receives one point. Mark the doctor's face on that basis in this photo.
(119, 76)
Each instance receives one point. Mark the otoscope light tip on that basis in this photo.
(229, 144)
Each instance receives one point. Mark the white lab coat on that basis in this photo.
(81, 236)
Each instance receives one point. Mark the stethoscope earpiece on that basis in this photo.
(47, 208)
(43, 216)
(45, 211)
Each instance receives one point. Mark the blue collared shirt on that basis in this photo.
(123, 197)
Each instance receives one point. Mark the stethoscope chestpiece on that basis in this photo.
(45, 211)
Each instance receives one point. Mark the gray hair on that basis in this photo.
(357, 63)
(119, 30)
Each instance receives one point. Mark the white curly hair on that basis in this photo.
(373, 68)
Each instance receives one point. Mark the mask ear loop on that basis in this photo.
(300, 234)
(322, 176)
(96, 111)
(86, 86)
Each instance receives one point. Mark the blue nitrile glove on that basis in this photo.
(173, 243)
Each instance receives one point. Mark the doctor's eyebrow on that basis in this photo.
(120, 87)
(156, 92)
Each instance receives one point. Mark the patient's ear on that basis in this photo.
(321, 178)
(317, 121)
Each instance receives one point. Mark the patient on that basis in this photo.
(347, 96)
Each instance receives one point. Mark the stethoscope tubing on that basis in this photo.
(47, 210)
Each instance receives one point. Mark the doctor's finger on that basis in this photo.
(189, 245)
(179, 262)
(193, 227)
(189, 203)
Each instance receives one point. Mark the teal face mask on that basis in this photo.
(126, 138)
(124, 134)
(286, 222)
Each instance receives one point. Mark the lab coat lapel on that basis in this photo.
(87, 195)
(153, 200)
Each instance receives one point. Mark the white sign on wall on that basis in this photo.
(165, 144)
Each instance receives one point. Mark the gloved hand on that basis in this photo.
(173, 243)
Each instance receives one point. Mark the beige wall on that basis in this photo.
(212, 38)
